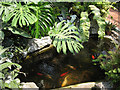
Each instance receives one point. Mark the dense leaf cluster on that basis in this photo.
(35, 19)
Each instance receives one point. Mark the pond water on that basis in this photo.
(53, 70)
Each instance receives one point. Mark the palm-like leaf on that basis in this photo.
(20, 14)
(45, 20)
(84, 26)
(5, 9)
(99, 19)
(65, 37)
(17, 31)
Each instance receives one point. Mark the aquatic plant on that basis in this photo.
(110, 63)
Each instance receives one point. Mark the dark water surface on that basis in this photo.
(53, 70)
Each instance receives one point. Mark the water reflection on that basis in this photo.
(52, 70)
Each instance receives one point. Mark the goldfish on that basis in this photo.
(65, 81)
(40, 74)
(63, 74)
(93, 57)
(49, 76)
(72, 67)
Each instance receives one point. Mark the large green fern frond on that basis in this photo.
(84, 26)
(100, 20)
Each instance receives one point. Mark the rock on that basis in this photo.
(103, 85)
(29, 85)
(35, 44)
(93, 27)
(82, 85)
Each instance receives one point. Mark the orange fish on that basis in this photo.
(72, 67)
(65, 81)
(93, 57)
(49, 76)
(63, 74)
(40, 74)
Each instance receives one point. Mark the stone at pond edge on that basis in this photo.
(35, 44)
(103, 85)
(30, 85)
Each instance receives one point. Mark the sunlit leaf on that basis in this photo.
(65, 38)
(18, 31)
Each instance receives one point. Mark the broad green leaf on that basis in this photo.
(59, 25)
(70, 28)
(1, 84)
(75, 48)
(114, 71)
(99, 20)
(15, 19)
(1, 10)
(26, 21)
(20, 13)
(5, 65)
(55, 41)
(84, 14)
(65, 38)
(70, 46)
(84, 26)
(118, 70)
(9, 16)
(3, 50)
(12, 84)
(75, 37)
(19, 32)
(23, 21)
(65, 26)
(73, 32)
(28, 18)
(1, 75)
(64, 46)
(59, 46)
(1, 35)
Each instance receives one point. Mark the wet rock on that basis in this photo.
(93, 26)
(105, 85)
(82, 85)
(29, 85)
(90, 85)
(35, 44)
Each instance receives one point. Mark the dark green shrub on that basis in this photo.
(111, 64)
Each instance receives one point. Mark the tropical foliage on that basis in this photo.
(17, 13)
(35, 19)
(8, 72)
(38, 17)
(65, 36)
(110, 63)
(84, 26)
(99, 11)
(100, 20)
(45, 19)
